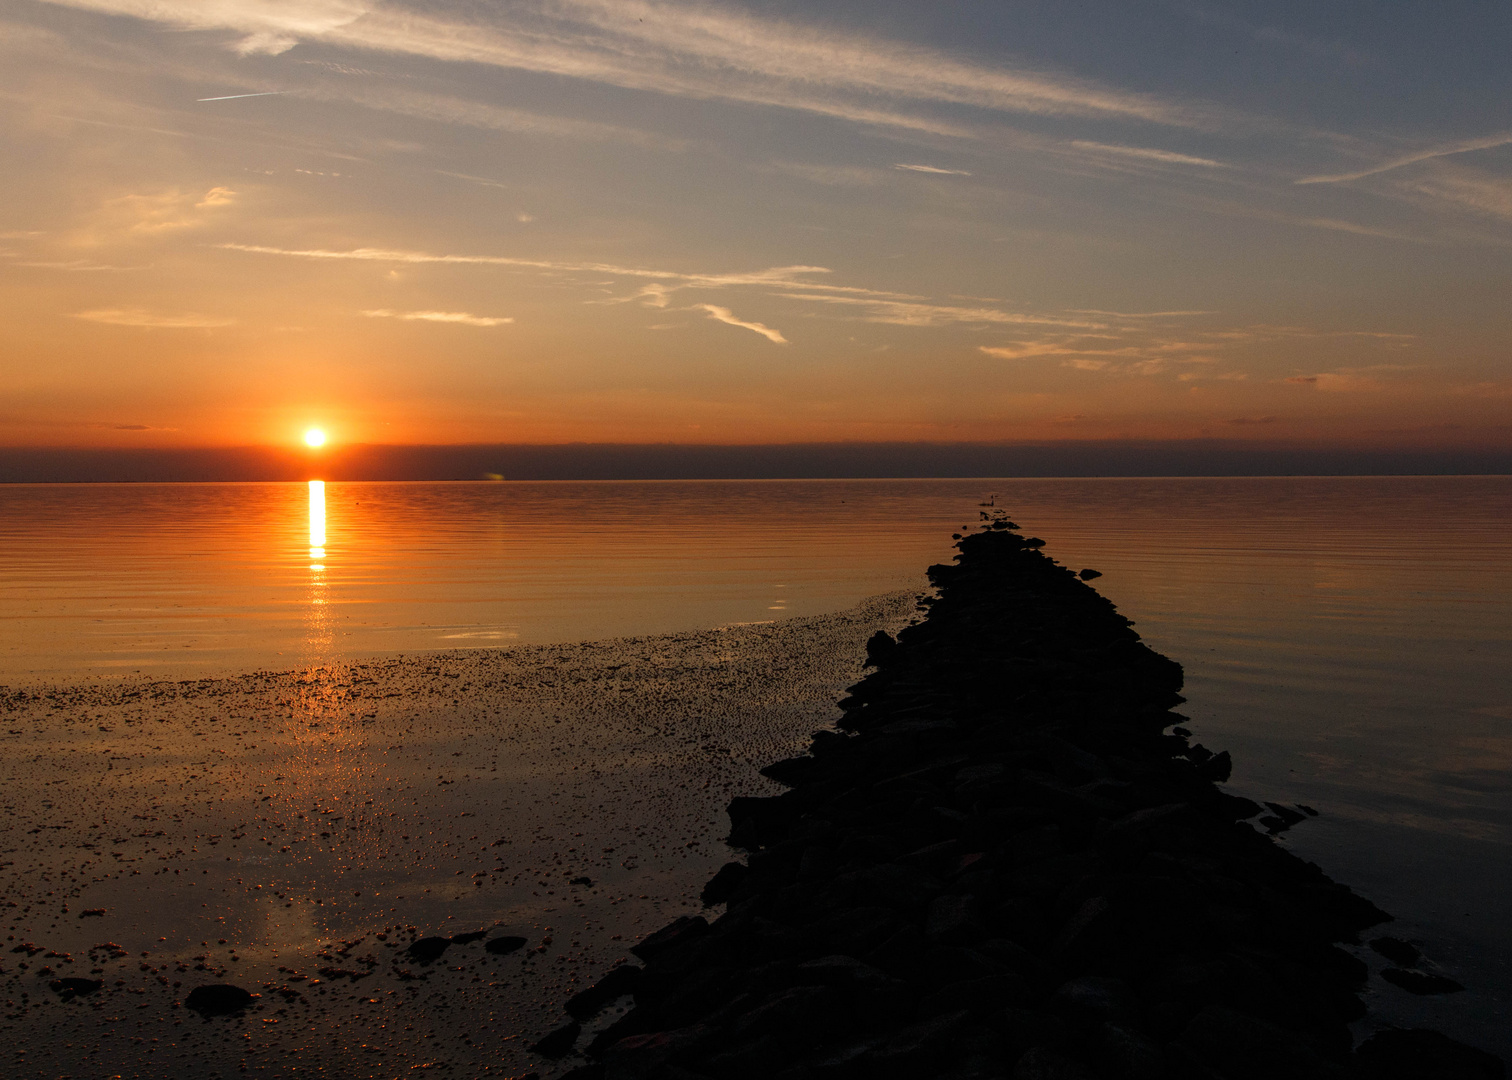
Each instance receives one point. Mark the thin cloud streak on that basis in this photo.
(457, 317)
(903, 313)
(1143, 153)
(1487, 143)
(234, 97)
(777, 276)
(932, 169)
(724, 315)
(148, 320)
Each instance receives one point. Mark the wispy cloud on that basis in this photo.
(234, 97)
(1144, 153)
(460, 318)
(152, 320)
(723, 314)
(1447, 150)
(488, 117)
(702, 50)
(932, 169)
(81, 265)
(1134, 344)
(773, 277)
(918, 313)
(1464, 189)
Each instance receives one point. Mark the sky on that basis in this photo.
(416, 222)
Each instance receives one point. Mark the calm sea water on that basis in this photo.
(1349, 639)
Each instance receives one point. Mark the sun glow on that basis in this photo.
(315, 437)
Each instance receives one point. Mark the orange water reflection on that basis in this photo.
(317, 519)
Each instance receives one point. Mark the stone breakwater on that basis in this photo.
(1008, 861)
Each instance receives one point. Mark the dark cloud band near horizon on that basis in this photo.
(597, 462)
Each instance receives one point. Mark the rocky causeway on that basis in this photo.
(1009, 859)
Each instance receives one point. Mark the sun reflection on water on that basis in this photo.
(317, 519)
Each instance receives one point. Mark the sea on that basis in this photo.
(1347, 639)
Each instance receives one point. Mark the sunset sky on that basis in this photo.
(224, 221)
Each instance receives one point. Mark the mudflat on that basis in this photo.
(354, 844)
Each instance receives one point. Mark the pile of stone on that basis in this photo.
(1009, 861)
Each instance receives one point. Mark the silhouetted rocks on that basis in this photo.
(428, 950)
(558, 1043)
(1008, 862)
(70, 988)
(1397, 951)
(503, 946)
(1421, 982)
(218, 999)
(619, 982)
(1425, 1055)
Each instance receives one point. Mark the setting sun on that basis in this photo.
(314, 437)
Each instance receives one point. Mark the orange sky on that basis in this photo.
(644, 222)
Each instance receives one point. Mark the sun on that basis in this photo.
(314, 437)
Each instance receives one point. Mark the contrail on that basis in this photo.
(229, 97)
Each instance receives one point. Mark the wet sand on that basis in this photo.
(292, 833)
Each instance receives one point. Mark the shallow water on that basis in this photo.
(1347, 639)
(293, 833)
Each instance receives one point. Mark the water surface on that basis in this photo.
(1346, 638)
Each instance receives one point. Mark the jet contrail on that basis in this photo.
(229, 97)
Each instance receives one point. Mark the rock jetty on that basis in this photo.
(1009, 860)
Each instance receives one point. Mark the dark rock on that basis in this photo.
(1397, 951)
(680, 932)
(1124, 1054)
(503, 946)
(427, 950)
(723, 885)
(793, 1018)
(913, 1051)
(218, 999)
(756, 1059)
(1423, 1055)
(594, 1070)
(469, 937)
(618, 982)
(1421, 982)
(641, 1057)
(982, 995)
(1237, 1046)
(1019, 1030)
(1089, 574)
(837, 971)
(585, 881)
(70, 988)
(1042, 1063)
(879, 647)
(1092, 998)
(954, 920)
(558, 1043)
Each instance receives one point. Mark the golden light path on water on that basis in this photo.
(317, 519)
